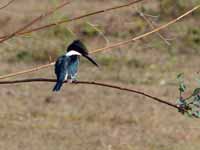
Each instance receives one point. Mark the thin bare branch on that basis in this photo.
(111, 46)
(27, 71)
(6, 5)
(148, 33)
(75, 18)
(34, 21)
(153, 27)
(100, 33)
(152, 16)
(94, 83)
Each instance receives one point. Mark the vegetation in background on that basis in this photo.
(192, 38)
(189, 105)
(170, 8)
(87, 29)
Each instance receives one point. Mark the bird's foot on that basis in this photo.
(66, 81)
(72, 81)
(69, 81)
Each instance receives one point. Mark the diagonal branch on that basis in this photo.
(152, 27)
(6, 5)
(97, 84)
(75, 18)
(109, 47)
(100, 32)
(27, 71)
(148, 33)
(33, 22)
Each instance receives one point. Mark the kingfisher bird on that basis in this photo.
(66, 66)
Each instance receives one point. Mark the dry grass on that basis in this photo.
(32, 117)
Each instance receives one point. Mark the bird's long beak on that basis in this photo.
(91, 60)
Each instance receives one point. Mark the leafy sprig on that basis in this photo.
(191, 104)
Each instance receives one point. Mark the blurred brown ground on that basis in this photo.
(90, 117)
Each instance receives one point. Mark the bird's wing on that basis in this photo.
(61, 67)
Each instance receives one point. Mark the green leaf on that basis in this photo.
(182, 87)
(189, 113)
(196, 92)
(197, 113)
(179, 76)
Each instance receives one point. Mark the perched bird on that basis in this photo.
(66, 66)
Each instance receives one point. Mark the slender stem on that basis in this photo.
(33, 22)
(153, 27)
(148, 33)
(110, 46)
(97, 84)
(6, 5)
(75, 18)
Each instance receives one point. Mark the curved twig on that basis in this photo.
(141, 14)
(100, 33)
(75, 18)
(6, 5)
(94, 83)
(27, 71)
(21, 29)
(108, 47)
(148, 33)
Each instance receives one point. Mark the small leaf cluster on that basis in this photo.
(191, 104)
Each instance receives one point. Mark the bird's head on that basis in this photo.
(78, 48)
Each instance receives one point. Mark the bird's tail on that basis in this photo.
(57, 86)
